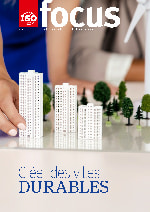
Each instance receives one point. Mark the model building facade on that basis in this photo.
(90, 122)
(31, 103)
(65, 108)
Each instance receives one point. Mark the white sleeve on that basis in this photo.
(117, 67)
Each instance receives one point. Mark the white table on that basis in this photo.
(122, 158)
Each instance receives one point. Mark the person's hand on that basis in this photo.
(10, 119)
(113, 89)
(81, 84)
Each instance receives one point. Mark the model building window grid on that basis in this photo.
(31, 103)
(65, 108)
(90, 122)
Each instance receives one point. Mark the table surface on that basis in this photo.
(121, 157)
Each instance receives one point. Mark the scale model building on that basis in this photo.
(90, 122)
(31, 103)
(66, 108)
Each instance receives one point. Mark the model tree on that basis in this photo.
(47, 91)
(53, 100)
(146, 104)
(77, 105)
(83, 100)
(139, 115)
(47, 97)
(122, 92)
(109, 112)
(116, 106)
(46, 106)
(127, 109)
(102, 93)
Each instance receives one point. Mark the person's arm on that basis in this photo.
(89, 61)
(58, 47)
(9, 100)
(3, 72)
(136, 71)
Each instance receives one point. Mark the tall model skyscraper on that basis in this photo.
(31, 103)
(65, 108)
(90, 122)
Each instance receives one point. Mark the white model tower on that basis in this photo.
(31, 103)
(90, 122)
(65, 108)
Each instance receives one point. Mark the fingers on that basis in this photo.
(113, 89)
(14, 117)
(17, 104)
(6, 126)
(89, 87)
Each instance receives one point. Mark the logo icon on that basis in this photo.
(28, 18)
(28, 13)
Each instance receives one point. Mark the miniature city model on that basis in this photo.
(90, 122)
(31, 103)
(66, 108)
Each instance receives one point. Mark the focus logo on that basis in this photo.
(29, 18)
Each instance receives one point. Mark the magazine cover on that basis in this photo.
(74, 105)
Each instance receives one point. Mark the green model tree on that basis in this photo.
(47, 91)
(102, 93)
(116, 106)
(146, 104)
(77, 105)
(139, 115)
(53, 99)
(122, 92)
(109, 112)
(83, 100)
(47, 97)
(46, 106)
(127, 109)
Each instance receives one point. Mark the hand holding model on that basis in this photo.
(10, 119)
